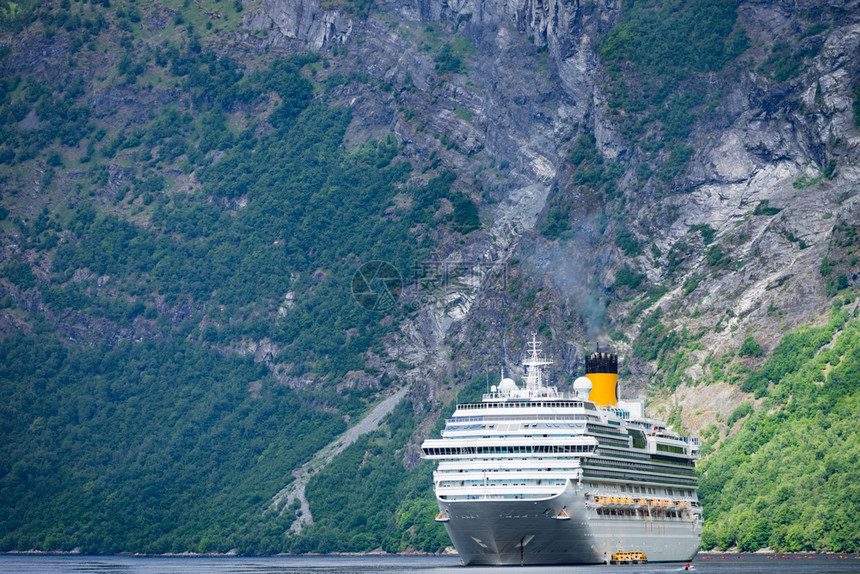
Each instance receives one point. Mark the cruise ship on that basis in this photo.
(531, 475)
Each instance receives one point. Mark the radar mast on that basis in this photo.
(534, 364)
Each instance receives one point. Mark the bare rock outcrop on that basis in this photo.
(301, 21)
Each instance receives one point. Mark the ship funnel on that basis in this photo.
(602, 370)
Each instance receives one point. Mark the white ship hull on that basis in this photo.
(533, 476)
(513, 532)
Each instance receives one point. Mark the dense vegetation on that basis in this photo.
(656, 61)
(233, 215)
(122, 447)
(314, 212)
(786, 479)
(176, 320)
(365, 500)
(593, 175)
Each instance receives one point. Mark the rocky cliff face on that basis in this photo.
(771, 178)
(527, 92)
(303, 21)
(751, 238)
(595, 224)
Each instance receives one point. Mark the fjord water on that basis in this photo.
(745, 564)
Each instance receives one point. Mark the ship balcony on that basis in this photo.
(505, 447)
(530, 477)
(518, 485)
(531, 469)
(511, 462)
(523, 432)
(499, 492)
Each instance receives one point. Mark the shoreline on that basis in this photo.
(770, 552)
(381, 554)
(372, 553)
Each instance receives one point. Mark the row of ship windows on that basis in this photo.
(645, 514)
(631, 474)
(642, 467)
(491, 426)
(612, 453)
(636, 489)
(525, 404)
(612, 441)
(617, 475)
(644, 464)
(536, 482)
(521, 449)
(603, 489)
(495, 471)
(521, 418)
(495, 496)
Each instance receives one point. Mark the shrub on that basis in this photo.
(739, 413)
(750, 348)
(554, 223)
(627, 242)
(627, 278)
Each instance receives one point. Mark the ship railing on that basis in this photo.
(526, 418)
(690, 440)
(621, 413)
(546, 393)
(541, 401)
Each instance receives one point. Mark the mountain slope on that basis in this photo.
(192, 192)
(784, 481)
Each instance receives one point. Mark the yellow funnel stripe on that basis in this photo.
(604, 388)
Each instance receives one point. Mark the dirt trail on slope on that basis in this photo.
(283, 500)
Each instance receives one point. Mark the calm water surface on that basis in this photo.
(399, 565)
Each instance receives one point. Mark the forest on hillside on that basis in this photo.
(184, 208)
(132, 418)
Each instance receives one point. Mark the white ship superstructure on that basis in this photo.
(530, 475)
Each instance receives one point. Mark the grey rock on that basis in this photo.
(299, 20)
